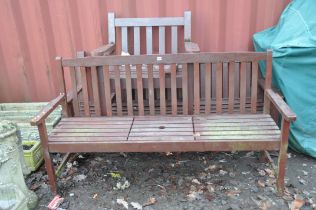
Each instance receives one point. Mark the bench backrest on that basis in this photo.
(203, 97)
(151, 25)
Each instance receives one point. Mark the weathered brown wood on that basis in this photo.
(280, 104)
(285, 129)
(46, 110)
(208, 86)
(242, 89)
(174, 89)
(268, 81)
(118, 93)
(254, 86)
(219, 87)
(151, 90)
(62, 84)
(107, 90)
(140, 97)
(95, 89)
(214, 127)
(231, 86)
(48, 161)
(103, 50)
(166, 59)
(83, 74)
(74, 87)
(185, 103)
(129, 90)
(162, 85)
(196, 88)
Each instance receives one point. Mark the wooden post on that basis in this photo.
(62, 85)
(268, 81)
(285, 128)
(48, 162)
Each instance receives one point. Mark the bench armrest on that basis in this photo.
(191, 47)
(103, 50)
(46, 110)
(280, 104)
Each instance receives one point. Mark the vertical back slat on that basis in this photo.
(185, 88)
(196, 88)
(149, 40)
(151, 90)
(219, 87)
(95, 89)
(162, 43)
(111, 28)
(231, 86)
(208, 86)
(254, 86)
(162, 85)
(174, 89)
(84, 83)
(187, 26)
(174, 39)
(140, 97)
(107, 90)
(74, 87)
(242, 87)
(136, 40)
(129, 90)
(118, 93)
(124, 39)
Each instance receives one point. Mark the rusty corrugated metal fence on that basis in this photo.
(33, 32)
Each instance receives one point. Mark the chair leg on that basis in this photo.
(282, 156)
(50, 172)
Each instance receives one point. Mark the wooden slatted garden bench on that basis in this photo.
(128, 123)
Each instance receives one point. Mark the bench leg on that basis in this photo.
(50, 172)
(282, 156)
(48, 162)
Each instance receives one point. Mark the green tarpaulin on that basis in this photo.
(293, 42)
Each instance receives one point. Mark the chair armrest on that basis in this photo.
(191, 47)
(103, 50)
(280, 104)
(43, 114)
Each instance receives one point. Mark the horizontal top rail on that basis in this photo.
(168, 21)
(166, 59)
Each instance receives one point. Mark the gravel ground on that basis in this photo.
(178, 181)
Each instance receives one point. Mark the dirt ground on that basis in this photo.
(179, 181)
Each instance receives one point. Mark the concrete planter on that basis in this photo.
(33, 155)
(22, 113)
(13, 190)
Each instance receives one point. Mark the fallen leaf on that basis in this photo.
(211, 168)
(136, 205)
(269, 172)
(297, 204)
(79, 177)
(150, 201)
(194, 195)
(261, 172)
(232, 193)
(261, 183)
(115, 175)
(122, 202)
(120, 186)
(195, 181)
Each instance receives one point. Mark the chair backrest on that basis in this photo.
(207, 97)
(151, 25)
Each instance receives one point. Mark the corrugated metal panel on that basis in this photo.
(33, 32)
